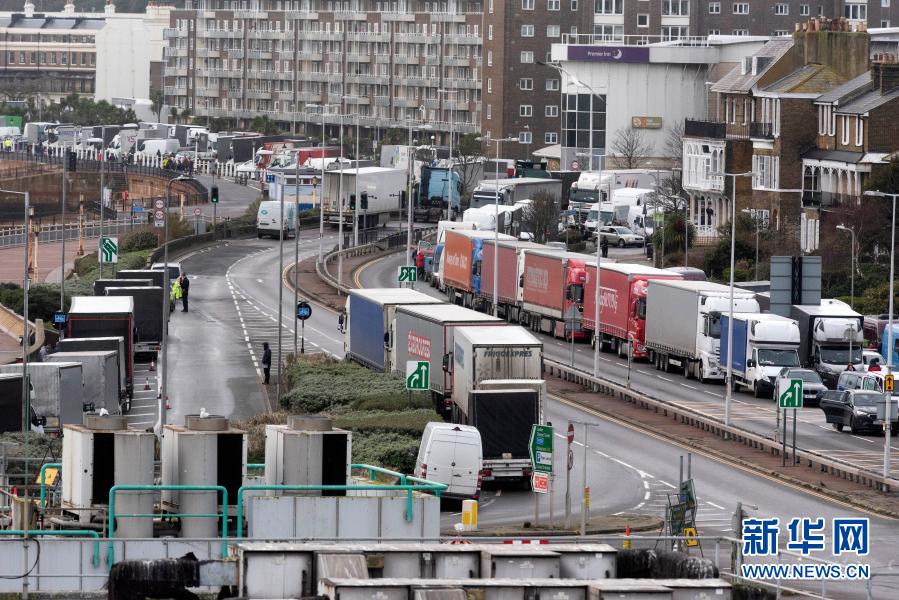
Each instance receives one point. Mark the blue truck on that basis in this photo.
(764, 343)
(439, 191)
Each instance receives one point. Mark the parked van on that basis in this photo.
(451, 454)
(268, 219)
(151, 147)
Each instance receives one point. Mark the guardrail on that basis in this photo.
(689, 416)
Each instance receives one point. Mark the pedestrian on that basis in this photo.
(175, 294)
(874, 365)
(604, 246)
(185, 289)
(420, 263)
(266, 362)
(43, 352)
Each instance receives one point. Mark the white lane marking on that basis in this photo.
(660, 481)
(645, 496)
(663, 378)
(707, 502)
(686, 385)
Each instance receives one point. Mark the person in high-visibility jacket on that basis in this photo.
(175, 294)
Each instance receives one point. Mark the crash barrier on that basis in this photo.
(685, 415)
(393, 241)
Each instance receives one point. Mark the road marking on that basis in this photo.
(645, 496)
(662, 377)
(686, 385)
(707, 502)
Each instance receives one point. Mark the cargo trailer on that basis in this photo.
(57, 390)
(553, 292)
(105, 316)
(100, 373)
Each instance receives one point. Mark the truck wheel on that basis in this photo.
(756, 391)
(701, 374)
(852, 428)
(837, 426)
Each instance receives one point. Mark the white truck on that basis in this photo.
(514, 190)
(268, 219)
(378, 186)
(683, 325)
(497, 387)
(832, 337)
(763, 344)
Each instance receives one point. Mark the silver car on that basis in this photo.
(620, 236)
(812, 386)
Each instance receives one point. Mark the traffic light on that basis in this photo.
(352, 201)
(214, 194)
(71, 161)
(364, 200)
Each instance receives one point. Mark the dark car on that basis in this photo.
(812, 386)
(856, 409)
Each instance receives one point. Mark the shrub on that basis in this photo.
(408, 421)
(393, 451)
(143, 239)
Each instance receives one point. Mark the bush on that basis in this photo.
(408, 421)
(143, 239)
(393, 451)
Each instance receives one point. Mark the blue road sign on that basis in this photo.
(269, 178)
(60, 318)
(304, 311)
(137, 209)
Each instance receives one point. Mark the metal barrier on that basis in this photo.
(59, 533)
(833, 466)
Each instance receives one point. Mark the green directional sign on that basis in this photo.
(789, 393)
(109, 250)
(541, 446)
(408, 274)
(418, 375)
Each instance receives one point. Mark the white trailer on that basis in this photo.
(380, 186)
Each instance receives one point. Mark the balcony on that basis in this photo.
(820, 199)
(705, 129)
(763, 131)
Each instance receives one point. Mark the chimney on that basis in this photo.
(69, 8)
(885, 73)
(109, 9)
(29, 8)
(828, 42)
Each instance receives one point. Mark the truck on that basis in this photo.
(157, 276)
(764, 343)
(832, 338)
(381, 186)
(368, 335)
(436, 266)
(683, 325)
(57, 391)
(11, 404)
(438, 193)
(100, 374)
(461, 264)
(425, 332)
(106, 316)
(510, 271)
(503, 416)
(149, 318)
(552, 296)
(589, 191)
(98, 344)
(100, 285)
(513, 190)
(622, 319)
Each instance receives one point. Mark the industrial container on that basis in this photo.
(95, 344)
(205, 451)
(102, 453)
(150, 315)
(426, 333)
(520, 562)
(157, 276)
(697, 589)
(104, 316)
(586, 561)
(58, 392)
(100, 285)
(100, 373)
(553, 292)
(370, 314)
(629, 589)
(307, 451)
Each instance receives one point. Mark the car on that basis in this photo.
(856, 409)
(868, 356)
(620, 236)
(812, 386)
(861, 380)
(174, 269)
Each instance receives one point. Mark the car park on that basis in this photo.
(855, 409)
(812, 386)
(620, 236)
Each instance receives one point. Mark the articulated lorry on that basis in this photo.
(553, 292)
(57, 391)
(381, 188)
(683, 325)
(100, 285)
(510, 271)
(832, 338)
(438, 194)
(503, 416)
(460, 261)
(106, 316)
(764, 343)
(149, 318)
(514, 190)
(433, 273)
(100, 372)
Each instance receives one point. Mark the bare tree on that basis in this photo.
(674, 143)
(540, 217)
(469, 155)
(629, 146)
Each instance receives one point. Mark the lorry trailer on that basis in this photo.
(553, 292)
(764, 343)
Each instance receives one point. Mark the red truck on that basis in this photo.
(511, 267)
(623, 309)
(460, 264)
(553, 292)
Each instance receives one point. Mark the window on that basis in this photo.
(489, 111)
(740, 32)
(714, 8)
(885, 3)
(781, 33)
(859, 131)
(823, 118)
(490, 6)
(741, 8)
(820, 11)
(552, 110)
(525, 137)
(574, 5)
(804, 10)
(527, 56)
(884, 22)
(781, 9)
(845, 139)
(552, 85)
(764, 172)
(643, 20)
(527, 31)
(608, 33)
(490, 32)
(579, 111)
(490, 58)
(525, 83)
(525, 110)
(553, 4)
(855, 12)
(673, 32)
(610, 7)
(527, 4)
(714, 32)
(490, 85)
(550, 137)
(676, 8)
(553, 31)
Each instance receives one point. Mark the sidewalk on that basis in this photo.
(11, 261)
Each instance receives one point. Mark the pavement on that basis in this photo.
(48, 258)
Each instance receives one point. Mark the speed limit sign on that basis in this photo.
(159, 203)
(197, 212)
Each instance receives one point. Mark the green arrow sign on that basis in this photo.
(109, 250)
(418, 375)
(789, 393)
(541, 447)
(408, 275)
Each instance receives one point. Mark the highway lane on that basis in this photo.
(755, 414)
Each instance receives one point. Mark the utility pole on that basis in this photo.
(62, 259)
(102, 192)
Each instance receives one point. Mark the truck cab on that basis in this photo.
(832, 338)
(711, 310)
(763, 344)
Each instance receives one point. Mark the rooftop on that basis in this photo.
(741, 79)
(809, 79)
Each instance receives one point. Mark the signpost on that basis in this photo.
(888, 382)
(541, 451)
(109, 250)
(570, 463)
(304, 311)
(407, 274)
(159, 213)
(418, 375)
(540, 482)
(789, 396)
(59, 319)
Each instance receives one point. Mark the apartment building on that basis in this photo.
(383, 63)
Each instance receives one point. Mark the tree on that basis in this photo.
(173, 113)
(629, 146)
(186, 114)
(262, 124)
(669, 196)
(540, 217)
(157, 101)
(394, 137)
(674, 143)
(469, 154)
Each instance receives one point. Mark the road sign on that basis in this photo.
(408, 274)
(304, 311)
(60, 318)
(137, 209)
(417, 375)
(540, 482)
(888, 382)
(159, 204)
(197, 212)
(570, 432)
(270, 178)
(570, 459)
(690, 535)
(541, 446)
(109, 250)
(789, 393)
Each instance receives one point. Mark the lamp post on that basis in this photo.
(321, 208)
(851, 231)
(102, 194)
(451, 168)
(886, 434)
(409, 173)
(496, 221)
(164, 363)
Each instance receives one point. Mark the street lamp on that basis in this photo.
(886, 434)
(164, 363)
(758, 224)
(577, 83)
(321, 208)
(851, 231)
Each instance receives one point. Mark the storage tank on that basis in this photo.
(206, 450)
(307, 451)
(99, 454)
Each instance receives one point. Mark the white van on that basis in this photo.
(151, 147)
(451, 454)
(268, 219)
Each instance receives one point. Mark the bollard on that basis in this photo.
(147, 384)
(470, 515)
(626, 545)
